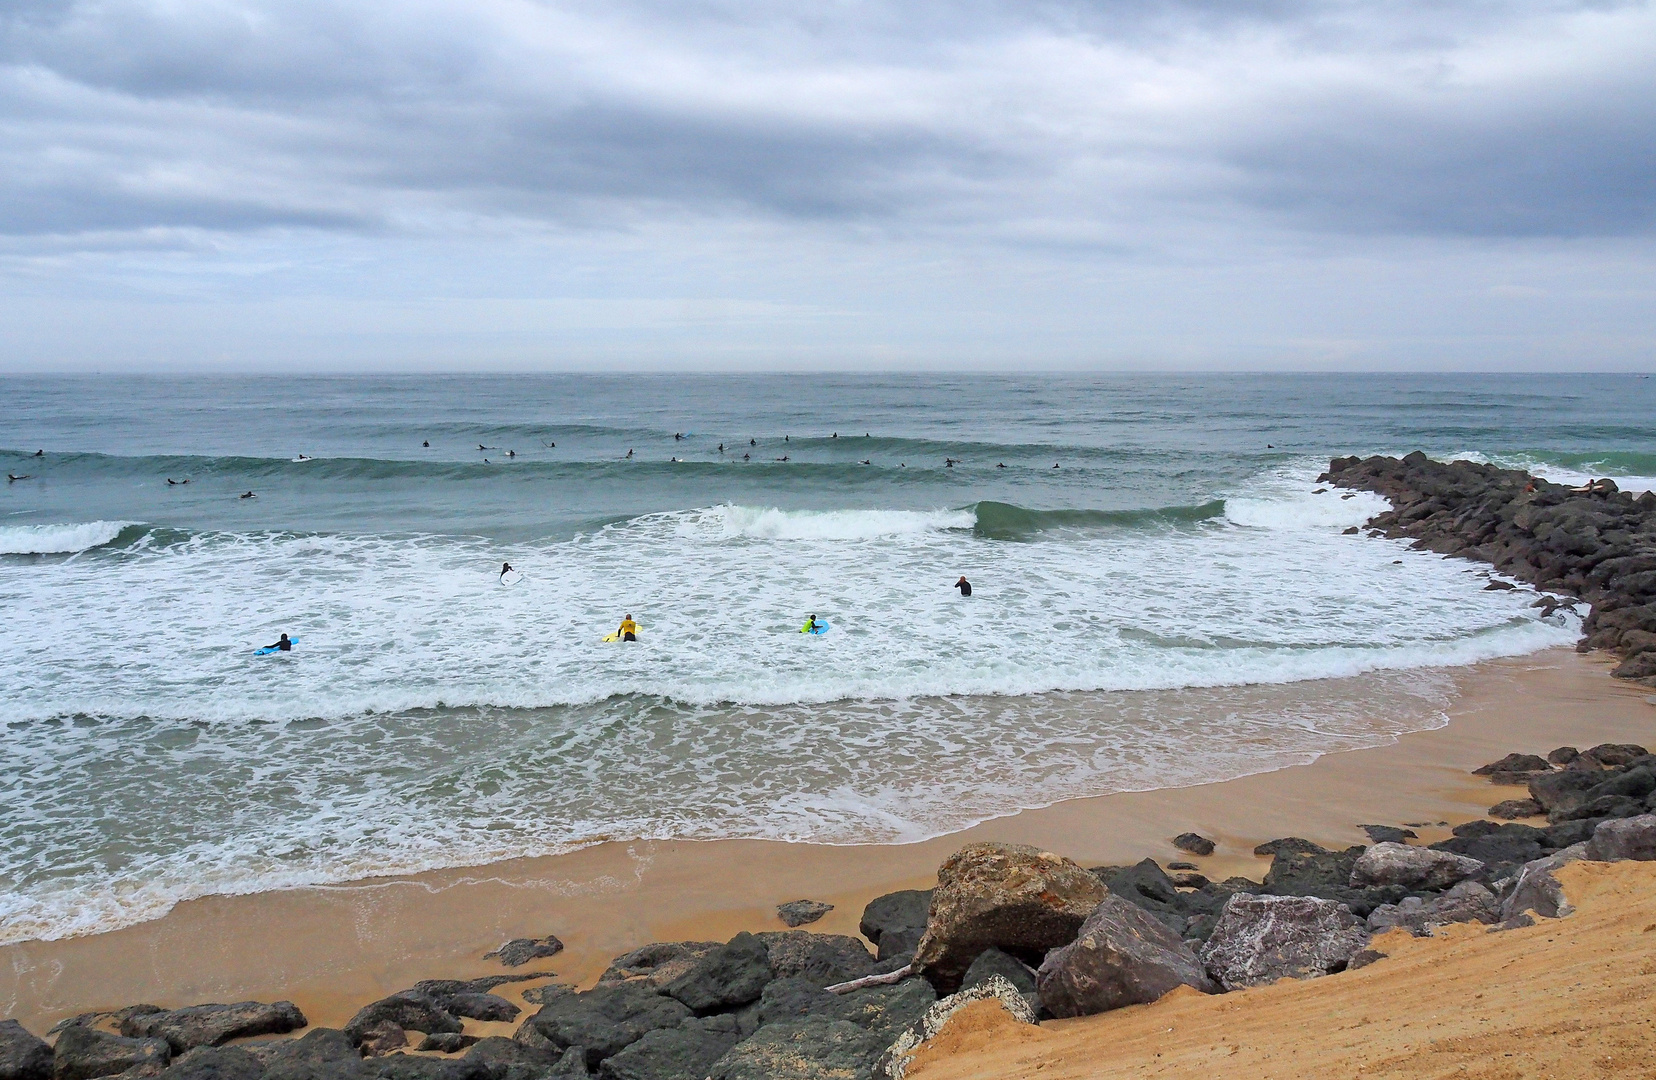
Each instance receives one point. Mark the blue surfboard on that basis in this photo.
(268, 649)
(819, 628)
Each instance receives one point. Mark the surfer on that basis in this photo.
(677, 436)
(866, 461)
(177, 483)
(426, 443)
(964, 586)
(950, 462)
(1002, 465)
(721, 448)
(506, 568)
(10, 477)
(747, 457)
(810, 626)
(302, 457)
(247, 495)
(784, 457)
(511, 453)
(40, 453)
(628, 630)
(753, 442)
(629, 455)
(1054, 464)
(282, 644)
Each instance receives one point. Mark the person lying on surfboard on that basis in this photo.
(283, 645)
(810, 626)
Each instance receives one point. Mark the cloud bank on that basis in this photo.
(735, 179)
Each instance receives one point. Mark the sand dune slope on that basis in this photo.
(1571, 998)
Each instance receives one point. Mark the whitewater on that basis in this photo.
(1179, 602)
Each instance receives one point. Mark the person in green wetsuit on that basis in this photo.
(810, 626)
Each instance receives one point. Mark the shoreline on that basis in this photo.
(332, 948)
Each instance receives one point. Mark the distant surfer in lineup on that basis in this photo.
(247, 495)
(12, 477)
(506, 568)
(628, 630)
(282, 644)
(40, 453)
(177, 483)
(303, 457)
(629, 455)
(426, 443)
(813, 627)
(964, 586)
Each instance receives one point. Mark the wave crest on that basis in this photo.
(59, 539)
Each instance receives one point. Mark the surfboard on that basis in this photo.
(268, 649)
(511, 577)
(614, 635)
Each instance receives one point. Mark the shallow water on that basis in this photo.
(1175, 603)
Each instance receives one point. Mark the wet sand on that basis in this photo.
(333, 949)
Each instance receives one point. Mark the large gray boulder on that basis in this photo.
(1537, 890)
(508, 1059)
(83, 1053)
(733, 974)
(825, 959)
(996, 962)
(876, 1008)
(1563, 790)
(895, 1061)
(1626, 838)
(409, 1010)
(22, 1056)
(1122, 956)
(320, 1054)
(606, 1019)
(214, 1025)
(680, 1053)
(658, 963)
(1009, 896)
(1260, 939)
(1411, 867)
(815, 1048)
(896, 922)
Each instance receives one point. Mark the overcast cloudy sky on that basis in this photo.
(489, 184)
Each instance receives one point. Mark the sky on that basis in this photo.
(751, 184)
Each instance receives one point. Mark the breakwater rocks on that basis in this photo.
(1024, 930)
(1592, 542)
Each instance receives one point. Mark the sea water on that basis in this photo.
(1162, 594)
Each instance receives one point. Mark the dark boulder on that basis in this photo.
(1290, 844)
(886, 1010)
(1568, 833)
(409, 1067)
(1516, 808)
(825, 959)
(1387, 834)
(1563, 755)
(508, 1059)
(85, 1052)
(731, 975)
(1608, 755)
(1496, 849)
(1466, 902)
(900, 916)
(1563, 790)
(1195, 843)
(22, 1056)
(381, 1038)
(800, 912)
(682, 1053)
(216, 1063)
(1515, 763)
(447, 1042)
(1537, 890)
(815, 1048)
(606, 1018)
(214, 1025)
(1260, 939)
(520, 951)
(793, 998)
(1122, 956)
(1629, 838)
(658, 963)
(409, 1010)
(995, 962)
(321, 1054)
(490, 1008)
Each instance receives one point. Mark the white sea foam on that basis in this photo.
(58, 539)
(769, 523)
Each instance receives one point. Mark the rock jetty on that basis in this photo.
(1593, 542)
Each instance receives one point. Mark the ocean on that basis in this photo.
(1162, 595)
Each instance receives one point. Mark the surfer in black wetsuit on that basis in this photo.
(283, 645)
(629, 455)
(40, 453)
(426, 443)
(10, 477)
(505, 568)
(176, 483)
(247, 495)
(753, 442)
(964, 586)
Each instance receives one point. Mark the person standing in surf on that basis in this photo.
(964, 586)
(628, 630)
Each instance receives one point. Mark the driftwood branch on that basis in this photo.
(885, 979)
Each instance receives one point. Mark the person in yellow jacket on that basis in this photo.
(810, 626)
(628, 630)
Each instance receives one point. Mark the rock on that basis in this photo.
(1194, 843)
(1635, 783)
(1515, 763)
(22, 1056)
(1362, 958)
(733, 974)
(658, 963)
(321, 1054)
(216, 1063)
(800, 912)
(489, 1008)
(540, 995)
(1516, 808)
(793, 998)
(1494, 849)
(1009, 896)
(380, 1038)
(1605, 806)
(1290, 843)
(1122, 956)
(1563, 755)
(605, 1019)
(409, 1067)
(1537, 890)
(214, 1025)
(1178, 866)
(1629, 838)
(84, 1052)
(448, 1042)
(1613, 754)
(1327, 876)
(1411, 867)
(825, 959)
(1466, 902)
(1568, 834)
(410, 1010)
(886, 1010)
(680, 1053)
(994, 962)
(901, 915)
(1387, 834)
(1260, 939)
(511, 1060)
(815, 1048)
(520, 951)
(894, 1062)
(1189, 879)
(441, 990)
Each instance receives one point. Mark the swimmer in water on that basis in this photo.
(784, 457)
(1054, 464)
(753, 442)
(866, 461)
(247, 495)
(1002, 465)
(964, 586)
(810, 626)
(426, 443)
(480, 446)
(549, 445)
(282, 644)
(747, 457)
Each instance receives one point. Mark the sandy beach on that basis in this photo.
(333, 949)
